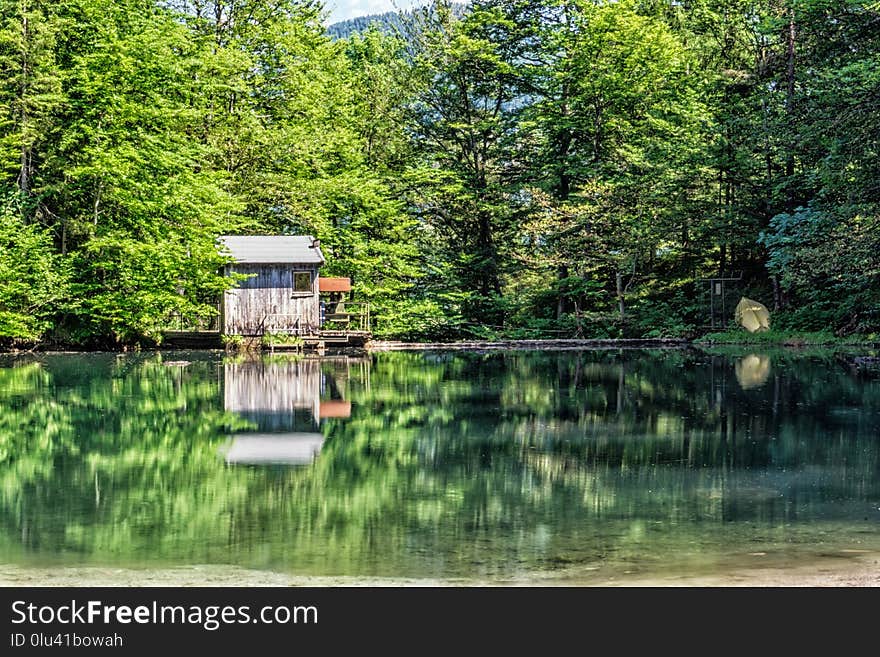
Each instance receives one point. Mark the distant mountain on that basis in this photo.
(390, 22)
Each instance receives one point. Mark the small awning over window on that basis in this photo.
(334, 284)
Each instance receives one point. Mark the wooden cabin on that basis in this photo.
(280, 294)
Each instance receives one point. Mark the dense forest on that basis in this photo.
(521, 169)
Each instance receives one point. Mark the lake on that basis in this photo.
(496, 467)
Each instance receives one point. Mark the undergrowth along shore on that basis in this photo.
(788, 338)
(732, 337)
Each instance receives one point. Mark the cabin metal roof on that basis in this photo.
(275, 249)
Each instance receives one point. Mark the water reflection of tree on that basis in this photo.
(448, 464)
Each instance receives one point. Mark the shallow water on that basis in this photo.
(497, 466)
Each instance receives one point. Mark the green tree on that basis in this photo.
(33, 280)
(461, 119)
(614, 141)
(30, 90)
(124, 172)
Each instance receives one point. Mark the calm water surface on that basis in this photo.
(492, 466)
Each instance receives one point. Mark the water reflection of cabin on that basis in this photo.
(281, 401)
(282, 293)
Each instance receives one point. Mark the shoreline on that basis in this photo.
(855, 570)
(550, 344)
(544, 345)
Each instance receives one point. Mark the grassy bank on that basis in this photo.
(788, 339)
(732, 337)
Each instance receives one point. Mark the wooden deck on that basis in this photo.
(192, 339)
(323, 340)
(315, 341)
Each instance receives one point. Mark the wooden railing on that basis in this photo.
(346, 316)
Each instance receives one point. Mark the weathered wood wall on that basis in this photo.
(270, 293)
(273, 387)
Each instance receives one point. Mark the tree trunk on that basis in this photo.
(621, 307)
(777, 293)
(563, 152)
(789, 106)
(24, 174)
(621, 383)
(560, 300)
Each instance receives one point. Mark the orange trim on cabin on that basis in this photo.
(334, 408)
(334, 285)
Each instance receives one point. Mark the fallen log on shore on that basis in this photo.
(511, 345)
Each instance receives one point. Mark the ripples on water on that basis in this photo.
(496, 466)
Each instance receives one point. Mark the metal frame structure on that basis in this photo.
(718, 288)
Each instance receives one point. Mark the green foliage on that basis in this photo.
(33, 280)
(282, 340)
(232, 342)
(426, 319)
(785, 338)
(552, 168)
(830, 264)
(31, 90)
(672, 318)
(132, 288)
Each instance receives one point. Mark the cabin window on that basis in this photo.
(302, 281)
